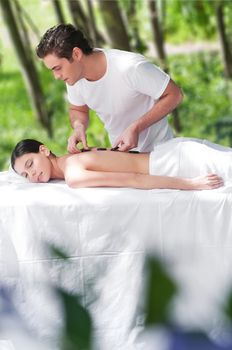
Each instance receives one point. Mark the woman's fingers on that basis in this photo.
(207, 182)
(214, 181)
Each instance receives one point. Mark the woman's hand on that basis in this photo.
(207, 182)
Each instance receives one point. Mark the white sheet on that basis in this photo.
(189, 157)
(106, 233)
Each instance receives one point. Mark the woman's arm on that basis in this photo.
(80, 177)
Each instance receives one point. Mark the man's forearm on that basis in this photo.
(78, 118)
(165, 105)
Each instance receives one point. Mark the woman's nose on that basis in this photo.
(32, 175)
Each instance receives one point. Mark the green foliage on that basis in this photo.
(228, 19)
(78, 325)
(96, 134)
(186, 20)
(223, 128)
(207, 95)
(77, 329)
(57, 252)
(228, 307)
(160, 291)
(18, 122)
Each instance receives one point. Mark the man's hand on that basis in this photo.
(128, 139)
(78, 136)
(79, 120)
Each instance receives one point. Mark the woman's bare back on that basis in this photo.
(107, 160)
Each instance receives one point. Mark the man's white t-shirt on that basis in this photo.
(128, 89)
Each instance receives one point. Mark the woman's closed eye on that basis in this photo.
(24, 175)
(29, 163)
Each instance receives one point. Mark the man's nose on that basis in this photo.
(57, 76)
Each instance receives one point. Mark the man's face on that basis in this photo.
(36, 167)
(70, 71)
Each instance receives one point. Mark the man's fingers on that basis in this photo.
(116, 143)
(84, 143)
(72, 146)
(119, 145)
(73, 150)
(73, 141)
(124, 148)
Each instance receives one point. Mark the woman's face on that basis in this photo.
(36, 167)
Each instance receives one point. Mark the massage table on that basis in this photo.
(107, 233)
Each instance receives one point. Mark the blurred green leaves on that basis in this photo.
(223, 129)
(228, 307)
(207, 95)
(160, 291)
(77, 330)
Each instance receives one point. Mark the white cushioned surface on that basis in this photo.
(106, 233)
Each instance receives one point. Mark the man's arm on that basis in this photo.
(79, 118)
(168, 101)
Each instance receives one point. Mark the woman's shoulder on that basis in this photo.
(81, 160)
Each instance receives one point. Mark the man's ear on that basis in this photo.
(77, 54)
(44, 150)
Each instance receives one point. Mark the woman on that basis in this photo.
(181, 163)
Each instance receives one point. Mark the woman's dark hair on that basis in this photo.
(60, 40)
(24, 147)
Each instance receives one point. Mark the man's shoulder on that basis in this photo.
(123, 61)
(121, 54)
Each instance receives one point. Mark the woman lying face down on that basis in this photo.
(101, 168)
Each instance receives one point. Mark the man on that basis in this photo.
(130, 95)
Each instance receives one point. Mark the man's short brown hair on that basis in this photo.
(60, 40)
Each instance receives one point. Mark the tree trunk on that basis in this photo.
(114, 23)
(157, 33)
(24, 16)
(96, 36)
(159, 43)
(136, 41)
(93, 23)
(79, 18)
(22, 28)
(85, 23)
(58, 11)
(27, 65)
(226, 50)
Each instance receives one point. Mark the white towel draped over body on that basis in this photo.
(189, 157)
